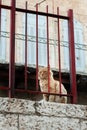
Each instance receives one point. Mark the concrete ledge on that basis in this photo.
(18, 106)
(19, 114)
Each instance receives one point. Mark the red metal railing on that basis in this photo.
(72, 56)
(59, 51)
(12, 51)
(11, 88)
(26, 49)
(37, 47)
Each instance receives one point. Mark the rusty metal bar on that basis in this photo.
(12, 51)
(5, 7)
(36, 46)
(42, 13)
(4, 88)
(38, 92)
(59, 56)
(34, 12)
(72, 57)
(26, 47)
(48, 63)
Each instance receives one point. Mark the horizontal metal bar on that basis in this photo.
(4, 88)
(35, 92)
(42, 13)
(39, 92)
(34, 12)
(5, 7)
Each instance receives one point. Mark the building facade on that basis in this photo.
(79, 34)
(80, 26)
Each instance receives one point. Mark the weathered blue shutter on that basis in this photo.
(19, 41)
(31, 52)
(65, 45)
(80, 63)
(79, 53)
(42, 46)
(3, 39)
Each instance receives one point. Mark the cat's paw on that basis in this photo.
(42, 101)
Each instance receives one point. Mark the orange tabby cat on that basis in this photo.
(54, 86)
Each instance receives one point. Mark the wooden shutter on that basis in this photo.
(79, 53)
(80, 63)
(3, 39)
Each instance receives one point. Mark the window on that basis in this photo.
(65, 45)
(2, 38)
(42, 46)
(79, 53)
(80, 63)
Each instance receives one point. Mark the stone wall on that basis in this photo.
(18, 114)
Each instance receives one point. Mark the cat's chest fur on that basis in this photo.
(44, 85)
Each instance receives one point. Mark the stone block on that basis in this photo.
(16, 106)
(41, 123)
(8, 122)
(84, 125)
(61, 110)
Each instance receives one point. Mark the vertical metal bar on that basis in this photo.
(72, 57)
(26, 47)
(12, 51)
(36, 46)
(48, 63)
(59, 56)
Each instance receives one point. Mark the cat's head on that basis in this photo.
(43, 73)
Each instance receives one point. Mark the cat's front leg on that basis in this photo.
(51, 98)
(46, 97)
(63, 99)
